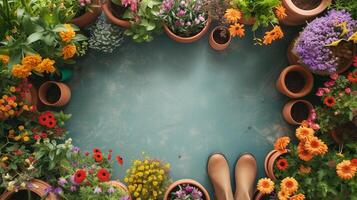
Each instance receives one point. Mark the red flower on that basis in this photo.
(355, 61)
(49, 115)
(282, 164)
(86, 153)
(96, 150)
(352, 77)
(51, 123)
(42, 120)
(329, 101)
(98, 157)
(120, 160)
(109, 155)
(36, 137)
(354, 162)
(43, 135)
(80, 176)
(103, 175)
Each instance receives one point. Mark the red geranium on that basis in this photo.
(282, 164)
(80, 176)
(352, 77)
(103, 175)
(43, 135)
(98, 157)
(42, 120)
(36, 137)
(329, 101)
(51, 123)
(354, 162)
(120, 160)
(96, 150)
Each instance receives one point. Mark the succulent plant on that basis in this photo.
(104, 36)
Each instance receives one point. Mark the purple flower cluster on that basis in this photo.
(187, 192)
(311, 45)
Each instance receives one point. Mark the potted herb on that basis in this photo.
(300, 11)
(184, 21)
(323, 45)
(296, 111)
(186, 189)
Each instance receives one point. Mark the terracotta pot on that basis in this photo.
(191, 39)
(269, 163)
(292, 57)
(305, 74)
(186, 181)
(259, 196)
(217, 46)
(120, 185)
(296, 16)
(39, 189)
(88, 17)
(107, 6)
(287, 111)
(64, 96)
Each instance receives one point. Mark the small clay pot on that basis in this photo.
(295, 81)
(297, 16)
(107, 9)
(59, 98)
(296, 111)
(39, 188)
(191, 39)
(219, 45)
(186, 181)
(88, 17)
(269, 163)
(120, 185)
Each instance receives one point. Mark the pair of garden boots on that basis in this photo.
(245, 174)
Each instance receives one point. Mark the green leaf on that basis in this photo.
(34, 37)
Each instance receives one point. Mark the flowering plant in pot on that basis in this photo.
(148, 178)
(185, 21)
(317, 48)
(258, 13)
(186, 189)
(88, 176)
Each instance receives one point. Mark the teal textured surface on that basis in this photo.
(180, 102)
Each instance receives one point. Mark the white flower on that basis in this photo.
(23, 184)
(11, 186)
(7, 176)
(30, 167)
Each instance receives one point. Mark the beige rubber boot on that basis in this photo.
(218, 172)
(245, 174)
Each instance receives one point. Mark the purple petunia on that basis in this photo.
(62, 181)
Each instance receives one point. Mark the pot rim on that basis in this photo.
(106, 7)
(95, 13)
(323, 5)
(293, 102)
(213, 40)
(186, 181)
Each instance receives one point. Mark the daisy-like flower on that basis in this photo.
(315, 146)
(283, 195)
(289, 184)
(265, 185)
(232, 15)
(303, 133)
(237, 29)
(345, 170)
(281, 144)
(282, 164)
(303, 154)
(273, 35)
(329, 101)
(304, 170)
(352, 77)
(280, 12)
(298, 197)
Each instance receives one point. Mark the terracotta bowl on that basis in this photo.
(121, 186)
(269, 163)
(107, 6)
(186, 181)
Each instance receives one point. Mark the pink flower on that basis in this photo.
(320, 92)
(348, 90)
(329, 83)
(334, 76)
(326, 90)
(315, 126)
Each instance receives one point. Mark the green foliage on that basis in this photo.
(350, 6)
(261, 10)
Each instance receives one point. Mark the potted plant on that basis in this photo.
(148, 178)
(52, 93)
(88, 12)
(220, 38)
(295, 81)
(184, 21)
(186, 189)
(139, 18)
(323, 47)
(257, 13)
(300, 11)
(296, 111)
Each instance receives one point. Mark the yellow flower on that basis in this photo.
(67, 35)
(345, 170)
(316, 146)
(289, 184)
(304, 170)
(5, 158)
(12, 89)
(303, 133)
(17, 138)
(232, 15)
(31, 61)
(237, 29)
(26, 138)
(353, 37)
(280, 12)
(46, 66)
(265, 185)
(283, 195)
(20, 71)
(273, 35)
(21, 127)
(298, 197)
(281, 144)
(4, 59)
(69, 51)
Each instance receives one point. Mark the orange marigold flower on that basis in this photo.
(4, 59)
(303, 132)
(354, 162)
(31, 61)
(273, 35)
(329, 101)
(304, 170)
(69, 51)
(265, 185)
(20, 71)
(289, 184)
(232, 15)
(283, 195)
(298, 197)
(237, 30)
(345, 170)
(281, 144)
(280, 12)
(67, 35)
(352, 77)
(282, 164)
(315, 146)
(46, 66)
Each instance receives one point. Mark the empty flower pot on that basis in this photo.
(88, 17)
(113, 11)
(269, 162)
(296, 111)
(191, 39)
(295, 81)
(39, 188)
(300, 11)
(55, 94)
(220, 38)
(175, 186)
